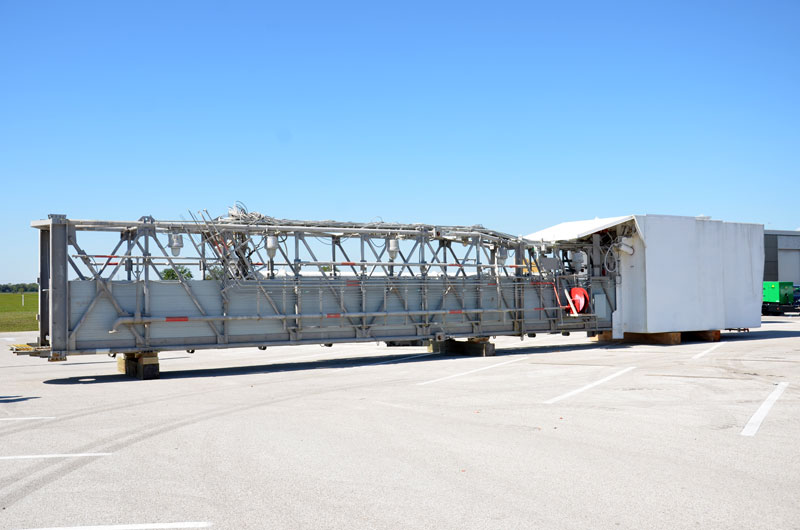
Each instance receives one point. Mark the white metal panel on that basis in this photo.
(97, 322)
(631, 313)
(743, 270)
(170, 299)
(576, 229)
(601, 306)
(684, 289)
(789, 266)
(694, 274)
(168, 329)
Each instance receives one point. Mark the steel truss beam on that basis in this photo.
(272, 281)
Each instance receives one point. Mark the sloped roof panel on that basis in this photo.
(577, 229)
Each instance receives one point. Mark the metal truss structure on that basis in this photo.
(260, 281)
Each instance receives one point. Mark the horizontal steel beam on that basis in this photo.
(132, 321)
(435, 232)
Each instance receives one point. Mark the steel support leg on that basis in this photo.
(44, 288)
(139, 365)
(57, 295)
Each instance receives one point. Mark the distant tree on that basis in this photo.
(215, 272)
(19, 287)
(170, 274)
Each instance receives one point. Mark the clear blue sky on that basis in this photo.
(517, 116)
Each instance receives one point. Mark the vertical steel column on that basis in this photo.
(59, 316)
(519, 299)
(146, 283)
(477, 242)
(297, 237)
(363, 256)
(44, 287)
(362, 287)
(203, 267)
(128, 235)
(597, 255)
(423, 269)
(334, 269)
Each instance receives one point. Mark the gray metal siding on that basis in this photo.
(782, 256)
(770, 258)
(327, 301)
(789, 266)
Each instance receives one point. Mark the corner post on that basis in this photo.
(44, 287)
(57, 295)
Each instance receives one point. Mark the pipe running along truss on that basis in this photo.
(249, 280)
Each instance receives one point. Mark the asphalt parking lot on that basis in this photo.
(553, 432)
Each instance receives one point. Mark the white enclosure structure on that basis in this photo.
(676, 273)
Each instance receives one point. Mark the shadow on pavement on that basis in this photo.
(343, 362)
(15, 399)
(761, 335)
(414, 356)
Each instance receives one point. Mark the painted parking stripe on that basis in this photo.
(12, 339)
(63, 455)
(145, 526)
(755, 422)
(590, 385)
(702, 353)
(472, 371)
(30, 418)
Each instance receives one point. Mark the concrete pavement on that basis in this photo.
(553, 432)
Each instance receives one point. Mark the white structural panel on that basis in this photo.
(572, 230)
(743, 274)
(685, 274)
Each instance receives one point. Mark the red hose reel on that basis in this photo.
(580, 299)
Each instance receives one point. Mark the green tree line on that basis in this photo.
(19, 287)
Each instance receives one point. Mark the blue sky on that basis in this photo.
(516, 116)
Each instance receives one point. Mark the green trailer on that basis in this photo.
(778, 297)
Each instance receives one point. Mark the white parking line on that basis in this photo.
(145, 526)
(472, 371)
(712, 348)
(65, 455)
(590, 385)
(29, 418)
(10, 338)
(755, 422)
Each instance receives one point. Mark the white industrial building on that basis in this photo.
(782, 256)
